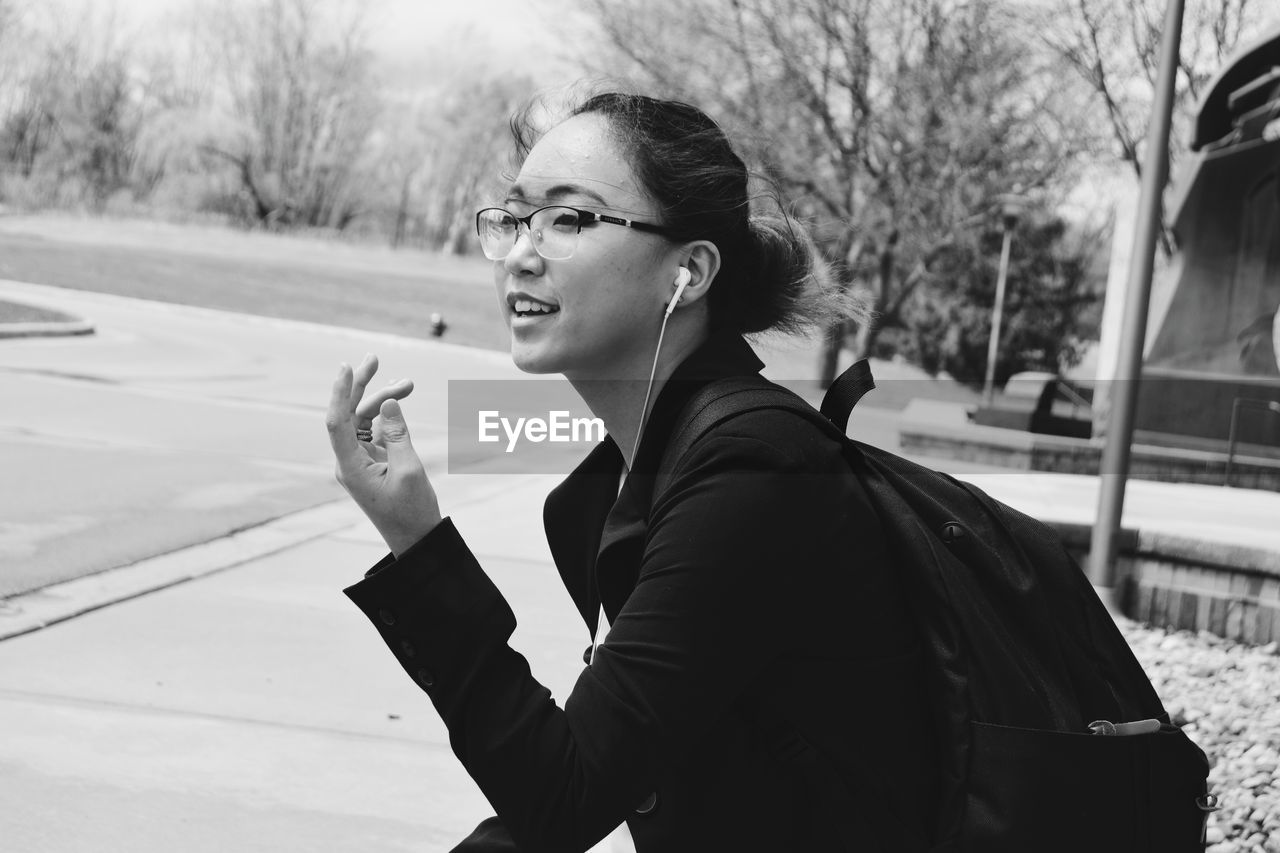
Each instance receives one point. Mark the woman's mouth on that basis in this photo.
(527, 307)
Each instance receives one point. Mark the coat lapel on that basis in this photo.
(574, 516)
(622, 544)
(597, 535)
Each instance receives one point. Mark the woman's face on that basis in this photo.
(606, 300)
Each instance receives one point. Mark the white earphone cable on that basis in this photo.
(597, 636)
(644, 411)
(682, 281)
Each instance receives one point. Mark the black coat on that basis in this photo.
(761, 686)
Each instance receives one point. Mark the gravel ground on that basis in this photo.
(1227, 698)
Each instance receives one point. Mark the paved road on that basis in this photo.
(174, 425)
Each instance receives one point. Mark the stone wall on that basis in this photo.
(1187, 584)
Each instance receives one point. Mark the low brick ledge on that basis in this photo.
(1181, 583)
(940, 430)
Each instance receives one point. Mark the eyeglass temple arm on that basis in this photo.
(615, 220)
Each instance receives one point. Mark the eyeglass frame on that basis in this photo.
(585, 217)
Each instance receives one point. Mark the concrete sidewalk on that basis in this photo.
(255, 709)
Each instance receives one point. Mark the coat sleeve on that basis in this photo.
(489, 837)
(724, 559)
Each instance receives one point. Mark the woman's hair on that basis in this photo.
(771, 276)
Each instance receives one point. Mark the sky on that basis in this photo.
(411, 36)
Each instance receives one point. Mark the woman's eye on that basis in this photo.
(565, 221)
(499, 224)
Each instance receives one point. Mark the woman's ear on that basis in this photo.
(702, 260)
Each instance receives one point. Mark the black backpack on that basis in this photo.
(1051, 736)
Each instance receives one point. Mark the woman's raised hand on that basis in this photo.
(384, 476)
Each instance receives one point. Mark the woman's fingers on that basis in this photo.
(394, 435)
(360, 378)
(349, 410)
(368, 409)
(385, 478)
(339, 417)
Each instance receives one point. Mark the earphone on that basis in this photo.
(682, 281)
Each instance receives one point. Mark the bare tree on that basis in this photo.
(405, 151)
(892, 125)
(301, 91)
(441, 152)
(475, 143)
(72, 119)
(1113, 47)
(29, 127)
(8, 35)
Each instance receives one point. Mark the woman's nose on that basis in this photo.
(523, 257)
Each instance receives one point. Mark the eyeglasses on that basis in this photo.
(553, 230)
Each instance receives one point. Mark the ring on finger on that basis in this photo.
(364, 434)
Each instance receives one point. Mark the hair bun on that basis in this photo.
(780, 282)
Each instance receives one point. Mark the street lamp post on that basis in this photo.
(1011, 207)
(1115, 456)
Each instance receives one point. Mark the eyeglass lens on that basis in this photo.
(553, 230)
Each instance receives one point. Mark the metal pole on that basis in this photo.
(997, 315)
(1231, 439)
(1114, 472)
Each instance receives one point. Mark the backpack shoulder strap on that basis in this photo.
(845, 393)
(723, 399)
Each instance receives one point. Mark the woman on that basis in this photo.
(760, 686)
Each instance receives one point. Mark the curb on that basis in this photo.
(1136, 543)
(50, 605)
(46, 330)
(47, 322)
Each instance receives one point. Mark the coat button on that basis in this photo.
(952, 532)
(650, 803)
(586, 655)
(407, 649)
(425, 678)
(386, 617)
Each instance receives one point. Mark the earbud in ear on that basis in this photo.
(682, 281)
